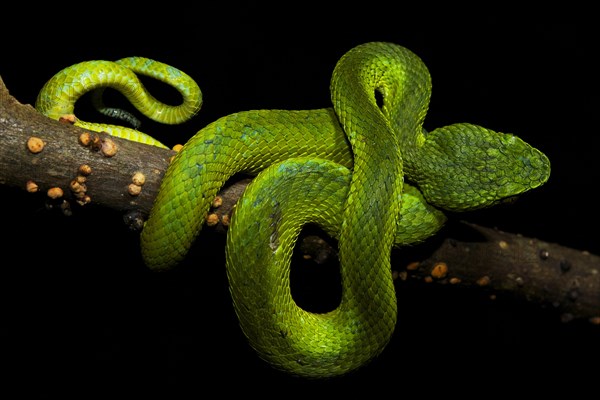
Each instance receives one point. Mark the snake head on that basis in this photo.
(466, 167)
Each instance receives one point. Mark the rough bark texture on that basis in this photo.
(544, 273)
(59, 161)
(475, 256)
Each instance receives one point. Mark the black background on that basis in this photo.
(78, 306)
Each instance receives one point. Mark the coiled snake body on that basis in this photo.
(343, 168)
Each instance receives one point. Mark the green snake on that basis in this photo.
(365, 170)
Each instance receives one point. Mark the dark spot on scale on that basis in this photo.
(378, 98)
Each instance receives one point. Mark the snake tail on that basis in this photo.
(58, 96)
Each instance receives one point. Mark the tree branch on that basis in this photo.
(95, 168)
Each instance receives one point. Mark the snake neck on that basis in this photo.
(372, 209)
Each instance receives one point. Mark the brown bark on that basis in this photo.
(63, 153)
(474, 256)
(545, 273)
